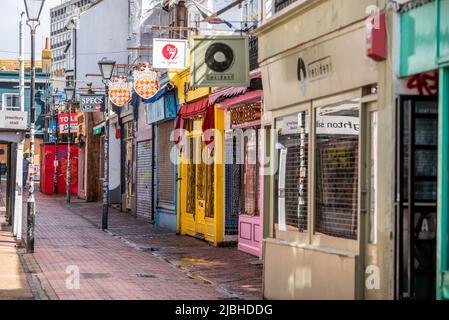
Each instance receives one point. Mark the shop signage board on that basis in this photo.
(325, 125)
(220, 61)
(169, 53)
(146, 82)
(92, 102)
(63, 121)
(120, 92)
(155, 111)
(13, 120)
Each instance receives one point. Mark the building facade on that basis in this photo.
(330, 114)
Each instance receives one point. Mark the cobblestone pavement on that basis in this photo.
(132, 260)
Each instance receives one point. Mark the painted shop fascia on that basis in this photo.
(319, 73)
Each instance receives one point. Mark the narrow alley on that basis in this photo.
(132, 260)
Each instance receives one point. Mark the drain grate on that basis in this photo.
(145, 275)
(96, 275)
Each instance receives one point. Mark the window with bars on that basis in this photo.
(281, 4)
(292, 174)
(337, 149)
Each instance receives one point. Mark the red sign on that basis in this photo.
(170, 52)
(63, 121)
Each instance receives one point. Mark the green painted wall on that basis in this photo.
(418, 40)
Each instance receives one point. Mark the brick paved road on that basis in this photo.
(134, 260)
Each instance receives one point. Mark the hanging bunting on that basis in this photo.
(146, 82)
(120, 92)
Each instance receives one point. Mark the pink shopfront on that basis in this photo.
(243, 172)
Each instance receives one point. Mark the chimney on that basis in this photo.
(46, 57)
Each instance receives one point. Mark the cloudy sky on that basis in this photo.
(9, 28)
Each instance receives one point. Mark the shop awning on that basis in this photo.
(242, 98)
(193, 109)
(157, 96)
(219, 96)
(97, 129)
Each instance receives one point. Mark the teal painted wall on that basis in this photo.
(418, 40)
(444, 28)
(12, 87)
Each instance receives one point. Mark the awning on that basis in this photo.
(157, 96)
(246, 97)
(193, 109)
(97, 129)
(228, 93)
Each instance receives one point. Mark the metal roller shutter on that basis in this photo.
(144, 179)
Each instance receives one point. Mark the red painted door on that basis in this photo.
(62, 169)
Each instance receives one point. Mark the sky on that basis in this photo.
(9, 28)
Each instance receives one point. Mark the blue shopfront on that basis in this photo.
(161, 111)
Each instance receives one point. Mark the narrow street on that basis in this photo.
(132, 260)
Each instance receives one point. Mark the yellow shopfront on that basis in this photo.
(200, 170)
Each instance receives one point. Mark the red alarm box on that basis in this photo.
(376, 38)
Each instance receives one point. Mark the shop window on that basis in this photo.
(337, 148)
(292, 176)
(250, 175)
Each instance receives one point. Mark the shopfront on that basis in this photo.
(328, 213)
(200, 168)
(243, 172)
(422, 151)
(160, 114)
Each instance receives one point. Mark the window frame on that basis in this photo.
(5, 107)
(310, 237)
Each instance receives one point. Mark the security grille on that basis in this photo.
(144, 179)
(296, 188)
(165, 167)
(336, 194)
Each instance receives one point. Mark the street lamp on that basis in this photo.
(106, 68)
(69, 94)
(56, 100)
(33, 9)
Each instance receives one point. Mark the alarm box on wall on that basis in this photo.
(220, 61)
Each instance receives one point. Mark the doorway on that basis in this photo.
(416, 202)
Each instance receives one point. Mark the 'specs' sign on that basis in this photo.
(92, 102)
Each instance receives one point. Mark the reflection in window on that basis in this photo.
(337, 147)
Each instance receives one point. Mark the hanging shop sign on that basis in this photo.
(169, 53)
(146, 82)
(63, 121)
(245, 114)
(120, 92)
(13, 120)
(220, 61)
(92, 102)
